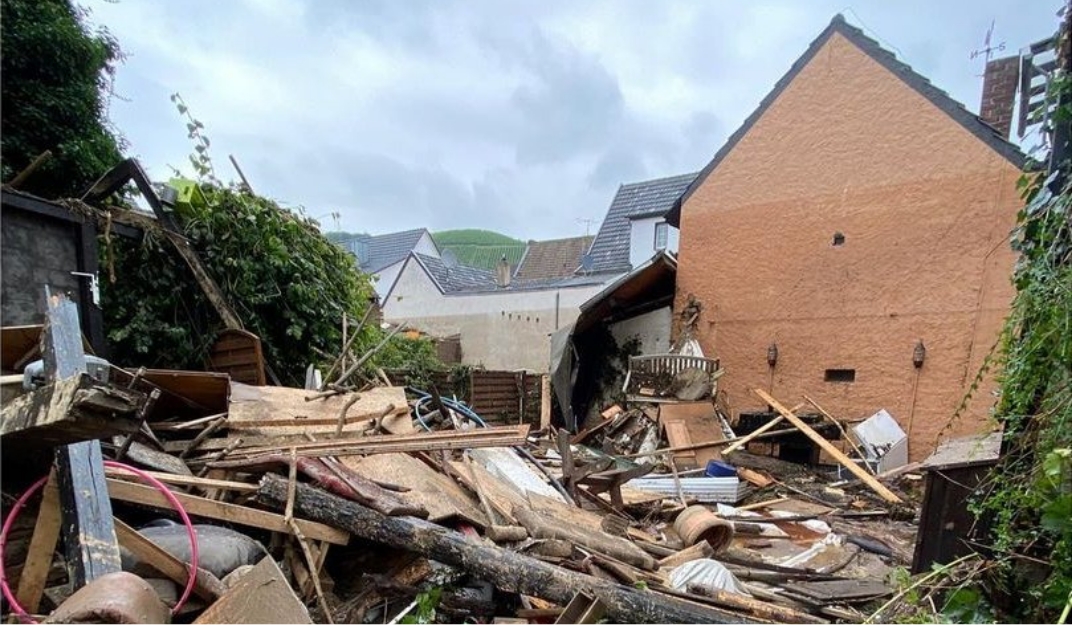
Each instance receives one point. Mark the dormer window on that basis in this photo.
(662, 232)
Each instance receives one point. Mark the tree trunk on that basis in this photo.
(508, 570)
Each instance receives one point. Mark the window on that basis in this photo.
(840, 375)
(662, 232)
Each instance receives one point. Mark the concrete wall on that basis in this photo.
(36, 251)
(385, 279)
(642, 239)
(425, 245)
(507, 330)
(652, 328)
(926, 209)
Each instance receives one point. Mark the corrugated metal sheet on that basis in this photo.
(702, 489)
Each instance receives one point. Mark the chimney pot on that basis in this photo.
(502, 273)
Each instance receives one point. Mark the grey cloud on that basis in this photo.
(522, 117)
(616, 166)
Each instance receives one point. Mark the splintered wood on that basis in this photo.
(443, 498)
(279, 411)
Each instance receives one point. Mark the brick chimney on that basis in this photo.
(999, 92)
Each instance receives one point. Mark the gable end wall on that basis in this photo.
(926, 209)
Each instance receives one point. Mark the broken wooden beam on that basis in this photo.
(206, 586)
(67, 411)
(220, 511)
(506, 569)
(837, 454)
(428, 441)
(38, 560)
(89, 535)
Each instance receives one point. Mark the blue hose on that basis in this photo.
(453, 404)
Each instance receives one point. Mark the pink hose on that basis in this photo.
(17, 608)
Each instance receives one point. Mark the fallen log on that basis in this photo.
(508, 570)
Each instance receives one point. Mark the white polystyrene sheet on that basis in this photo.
(505, 464)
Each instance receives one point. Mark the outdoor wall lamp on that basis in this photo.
(919, 354)
(772, 355)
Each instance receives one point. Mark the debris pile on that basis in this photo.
(336, 504)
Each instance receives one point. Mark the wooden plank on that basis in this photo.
(484, 437)
(844, 435)
(842, 590)
(440, 495)
(364, 419)
(185, 392)
(158, 460)
(677, 434)
(707, 444)
(744, 440)
(149, 553)
(761, 609)
(231, 513)
(184, 480)
(253, 405)
(261, 596)
(39, 556)
(817, 438)
(701, 423)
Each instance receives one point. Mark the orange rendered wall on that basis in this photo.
(926, 209)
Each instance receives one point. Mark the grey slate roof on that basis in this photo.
(610, 250)
(464, 280)
(970, 121)
(384, 250)
(456, 278)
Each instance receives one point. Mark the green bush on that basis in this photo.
(285, 281)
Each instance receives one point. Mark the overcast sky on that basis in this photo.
(521, 117)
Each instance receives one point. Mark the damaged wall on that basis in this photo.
(499, 330)
(651, 329)
(924, 209)
(36, 252)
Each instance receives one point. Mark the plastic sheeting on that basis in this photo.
(707, 573)
(564, 373)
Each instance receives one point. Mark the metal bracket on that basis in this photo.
(94, 285)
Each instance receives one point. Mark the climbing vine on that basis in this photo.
(1027, 501)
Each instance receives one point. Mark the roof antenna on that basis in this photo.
(987, 50)
(587, 224)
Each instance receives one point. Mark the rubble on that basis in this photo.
(330, 504)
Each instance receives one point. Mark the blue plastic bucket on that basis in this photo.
(719, 469)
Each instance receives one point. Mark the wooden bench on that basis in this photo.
(658, 370)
